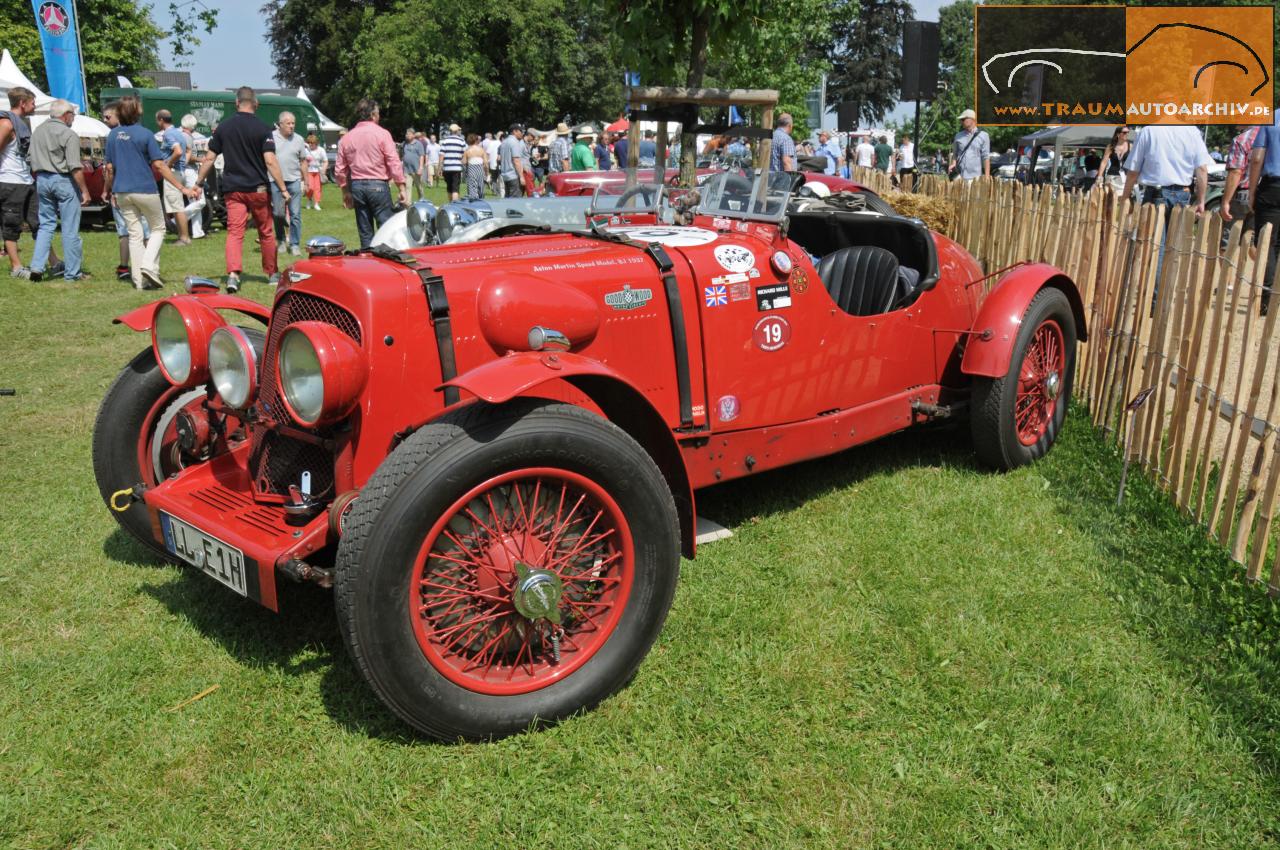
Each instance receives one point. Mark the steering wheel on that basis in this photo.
(647, 192)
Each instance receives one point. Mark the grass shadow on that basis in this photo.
(782, 490)
(1179, 588)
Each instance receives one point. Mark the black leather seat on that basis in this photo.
(863, 280)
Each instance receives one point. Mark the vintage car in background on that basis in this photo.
(490, 451)
(470, 221)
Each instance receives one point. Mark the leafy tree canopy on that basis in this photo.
(866, 63)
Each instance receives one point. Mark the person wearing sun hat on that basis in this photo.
(583, 157)
(970, 149)
(560, 153)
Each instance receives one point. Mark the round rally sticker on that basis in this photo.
(771, 333)
(735, 258)
(676, 237)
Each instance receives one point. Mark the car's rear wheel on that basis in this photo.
(506, 567)
(1017, 416)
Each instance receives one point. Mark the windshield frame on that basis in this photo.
(630, 184)
(759, 196)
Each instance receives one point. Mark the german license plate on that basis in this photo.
(205, 552)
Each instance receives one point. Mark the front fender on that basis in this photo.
(622, 404)
(995, 331)
(141, 318)
(507, 377)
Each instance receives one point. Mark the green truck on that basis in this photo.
(210, 107)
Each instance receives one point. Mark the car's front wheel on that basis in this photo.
(1017, 416)
(505, 567)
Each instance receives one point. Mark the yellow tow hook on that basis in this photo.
(114, 501)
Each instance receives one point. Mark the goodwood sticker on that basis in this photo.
(628, 298)
(676, 237)
(735, 258)
(775, 296)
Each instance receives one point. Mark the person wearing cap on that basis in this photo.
(511, 162)
(970, 150)
(60, 186)
(828, 147)
(560, 150)
(452, 149)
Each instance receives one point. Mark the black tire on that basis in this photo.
(416, 486)
(115, 440)
(993, 423)
(118, 429)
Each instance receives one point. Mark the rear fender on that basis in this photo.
(140, 319)
(990, 347)
(621, 403)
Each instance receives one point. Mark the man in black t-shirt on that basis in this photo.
(249, 161)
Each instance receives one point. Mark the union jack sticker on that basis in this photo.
(717, 295)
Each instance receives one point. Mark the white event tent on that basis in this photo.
(11, 76)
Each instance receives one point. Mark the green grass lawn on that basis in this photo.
(895, 649)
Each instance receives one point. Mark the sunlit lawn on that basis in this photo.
(895, 649)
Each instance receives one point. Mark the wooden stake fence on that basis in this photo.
(1171, 302)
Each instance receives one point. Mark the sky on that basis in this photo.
(237, 53)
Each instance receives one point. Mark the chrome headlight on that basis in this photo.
(422, 222)
(301, 378)
(233, 366)
(180, 331)
(322, 372)
(172, 344)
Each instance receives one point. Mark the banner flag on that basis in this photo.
(56, 21)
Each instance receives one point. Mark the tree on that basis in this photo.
(734, 44)
(189, 18)
(484, 63)
(866, 65)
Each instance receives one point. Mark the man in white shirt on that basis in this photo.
(1166, 159)
(905, 159)
(433, 159)
(864, 153)
(491, 146)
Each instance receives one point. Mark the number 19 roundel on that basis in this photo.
(771, 333)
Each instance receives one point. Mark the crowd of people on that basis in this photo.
(265, 173)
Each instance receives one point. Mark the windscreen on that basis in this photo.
(736, 196)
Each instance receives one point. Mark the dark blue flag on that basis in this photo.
(56, 20)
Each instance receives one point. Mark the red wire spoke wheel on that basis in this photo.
(1039, 382)
(1016, 417)
(521, 581)
(506, 566)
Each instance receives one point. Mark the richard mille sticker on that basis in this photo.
(628, 298)
(775, 296)
(734, 258)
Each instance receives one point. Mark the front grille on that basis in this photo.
(276, 460)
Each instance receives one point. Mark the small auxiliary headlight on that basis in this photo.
(233, 366)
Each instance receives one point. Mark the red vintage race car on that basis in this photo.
(491, 451)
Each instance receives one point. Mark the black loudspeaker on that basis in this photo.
(847, 117)
(920, 41)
